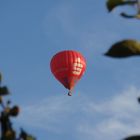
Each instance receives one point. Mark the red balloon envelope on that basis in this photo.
(68, 67)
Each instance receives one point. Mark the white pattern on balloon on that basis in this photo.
(77, 66)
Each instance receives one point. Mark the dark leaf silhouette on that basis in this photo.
(138, 99)
(133, 138)
(130, 16)
(7, 131)
(111, 4)
(14, 111)
(24, 135)
(137, 16)
(4, 91)
(124, 48)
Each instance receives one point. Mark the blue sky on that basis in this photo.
(104, 103)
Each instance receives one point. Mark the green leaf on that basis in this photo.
(124, 48)
(111, 4)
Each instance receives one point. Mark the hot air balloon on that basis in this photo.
(68, 66)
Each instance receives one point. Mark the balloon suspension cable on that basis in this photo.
(70, 93)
